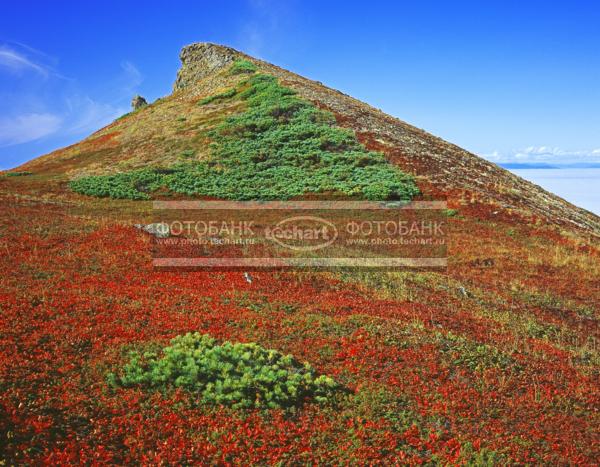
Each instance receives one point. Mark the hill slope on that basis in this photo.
(160, 133)
(492, 361)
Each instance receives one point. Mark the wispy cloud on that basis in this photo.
(132, 76)
(262, 26)
(87, 115)
(28, 127)
(546, 154)
(18, 62)
(46, 104)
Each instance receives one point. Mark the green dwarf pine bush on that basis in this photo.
(242, 66)
(280, 147)
(232, 374)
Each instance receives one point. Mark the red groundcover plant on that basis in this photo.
(433, 379)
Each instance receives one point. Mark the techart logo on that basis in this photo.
(303, 233)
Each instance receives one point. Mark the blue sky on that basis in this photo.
(505, 79)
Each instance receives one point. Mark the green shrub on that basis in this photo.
(242, 66)
(280, 147)
(130, 185)
(18, 174)
(237, 375)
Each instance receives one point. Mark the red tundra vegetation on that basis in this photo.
(481, 364)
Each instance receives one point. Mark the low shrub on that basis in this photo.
(232, 374)
(188, 153)
(280, 147)
(18, 174)
(129, 185)
(242, 66)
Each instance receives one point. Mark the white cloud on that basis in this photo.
(546, 154)
(27, 127)
(18, 62)
(253, 39)
(87, 115)
(263, 26)
(132, 75)
(46, 104)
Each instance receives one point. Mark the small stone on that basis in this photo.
(159, 230)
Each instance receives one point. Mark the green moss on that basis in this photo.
(237, 375)
(280, 147)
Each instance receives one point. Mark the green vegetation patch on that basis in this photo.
(241, 66)
(129, 185)
(218, 97)
(232, 374)
(18, 174)
(280, 147)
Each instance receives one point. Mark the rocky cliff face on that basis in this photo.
(201, 60)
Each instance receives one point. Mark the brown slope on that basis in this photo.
(158, 134)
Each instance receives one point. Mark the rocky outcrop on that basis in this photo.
(138, 102)
(201, 60)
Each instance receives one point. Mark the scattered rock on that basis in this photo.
(159, 230)
(138, 102)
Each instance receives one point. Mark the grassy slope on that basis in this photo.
(497, 359)
(278, 147)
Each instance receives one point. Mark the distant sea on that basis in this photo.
(580, 187)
